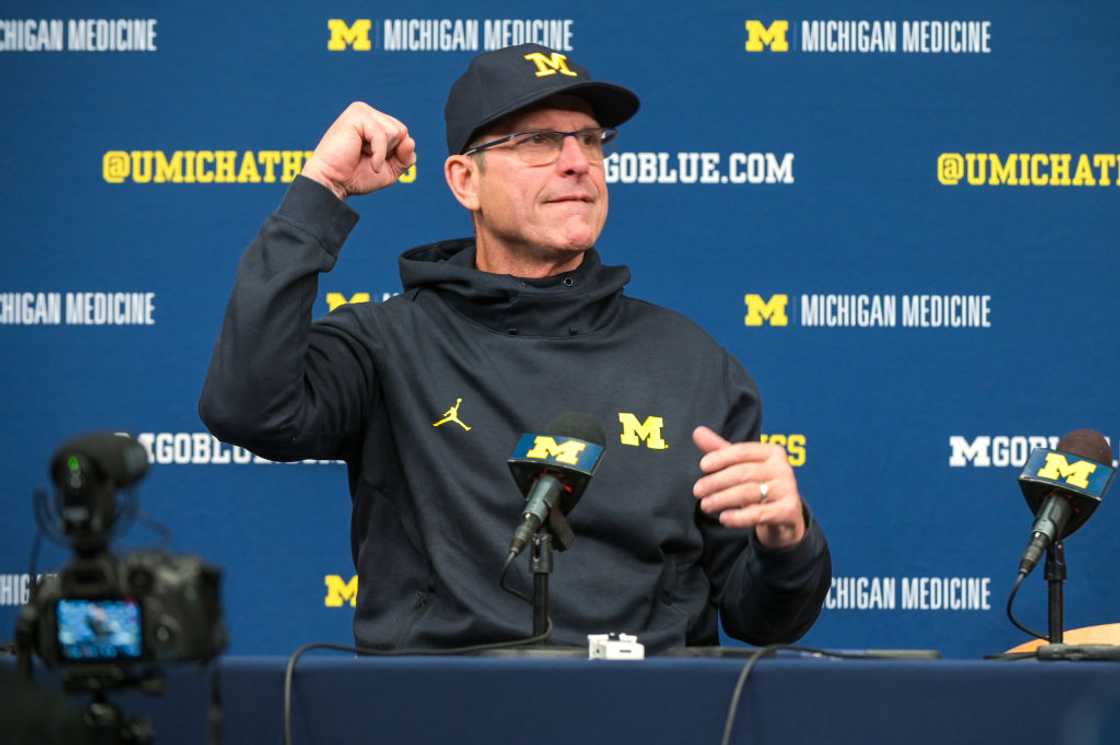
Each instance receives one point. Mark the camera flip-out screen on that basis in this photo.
(99, 630)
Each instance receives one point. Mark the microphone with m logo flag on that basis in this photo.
(553, 470)
(1063, 488)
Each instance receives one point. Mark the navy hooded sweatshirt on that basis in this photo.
(434, 507)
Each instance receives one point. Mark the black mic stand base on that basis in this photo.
(537, 651)
(555, 530)
(540, 564)
(1056, 650)
(1077, 652)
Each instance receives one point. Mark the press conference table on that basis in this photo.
(787, 701)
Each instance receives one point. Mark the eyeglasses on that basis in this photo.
(542, 147)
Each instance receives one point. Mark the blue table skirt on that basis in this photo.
(788, 701)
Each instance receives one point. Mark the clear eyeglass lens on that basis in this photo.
(538, 148)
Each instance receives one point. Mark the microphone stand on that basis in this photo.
(1055, 577)
(554, 534)
(1056, 649)
(540, 563)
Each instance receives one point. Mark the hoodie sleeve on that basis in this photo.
(764, 596)
(278, 384)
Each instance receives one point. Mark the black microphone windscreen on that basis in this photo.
(581, 426)
(121, 460)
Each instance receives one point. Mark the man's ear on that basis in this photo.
(462, 174)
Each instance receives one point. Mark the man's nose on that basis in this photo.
(572, 157)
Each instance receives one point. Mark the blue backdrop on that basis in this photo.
(813, 182)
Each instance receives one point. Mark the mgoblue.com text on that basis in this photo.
(698, 168)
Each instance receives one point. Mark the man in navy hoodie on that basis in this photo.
(425, 395)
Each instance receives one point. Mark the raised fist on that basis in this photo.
(363, 150)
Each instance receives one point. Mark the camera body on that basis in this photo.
(147, 606)
(109, 620)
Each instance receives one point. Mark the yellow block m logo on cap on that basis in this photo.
(1060, 469)
(339, 592)
(550, 64)
(772, 311)
(564, 452)
(345, 35)
(634, 433)
(774, 36)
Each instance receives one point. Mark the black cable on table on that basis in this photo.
(769, 650)
(1011, 615)
(289, 673)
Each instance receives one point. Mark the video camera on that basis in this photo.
(106, 611)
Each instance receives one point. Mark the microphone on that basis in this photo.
(87, 471)
(116, 459)
(553, 470)
(1063, 487)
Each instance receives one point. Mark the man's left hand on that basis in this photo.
(749, 484)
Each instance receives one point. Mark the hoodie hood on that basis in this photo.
(577, 302)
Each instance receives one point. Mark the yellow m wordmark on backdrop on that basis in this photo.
(344, 35)
(340, 592)
(772, 311)
(773, 36)
(337, 299)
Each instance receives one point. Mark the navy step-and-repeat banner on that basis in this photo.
(902, 218)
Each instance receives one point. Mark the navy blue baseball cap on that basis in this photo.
(508, 80)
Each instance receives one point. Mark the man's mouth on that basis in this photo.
(572, 198)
